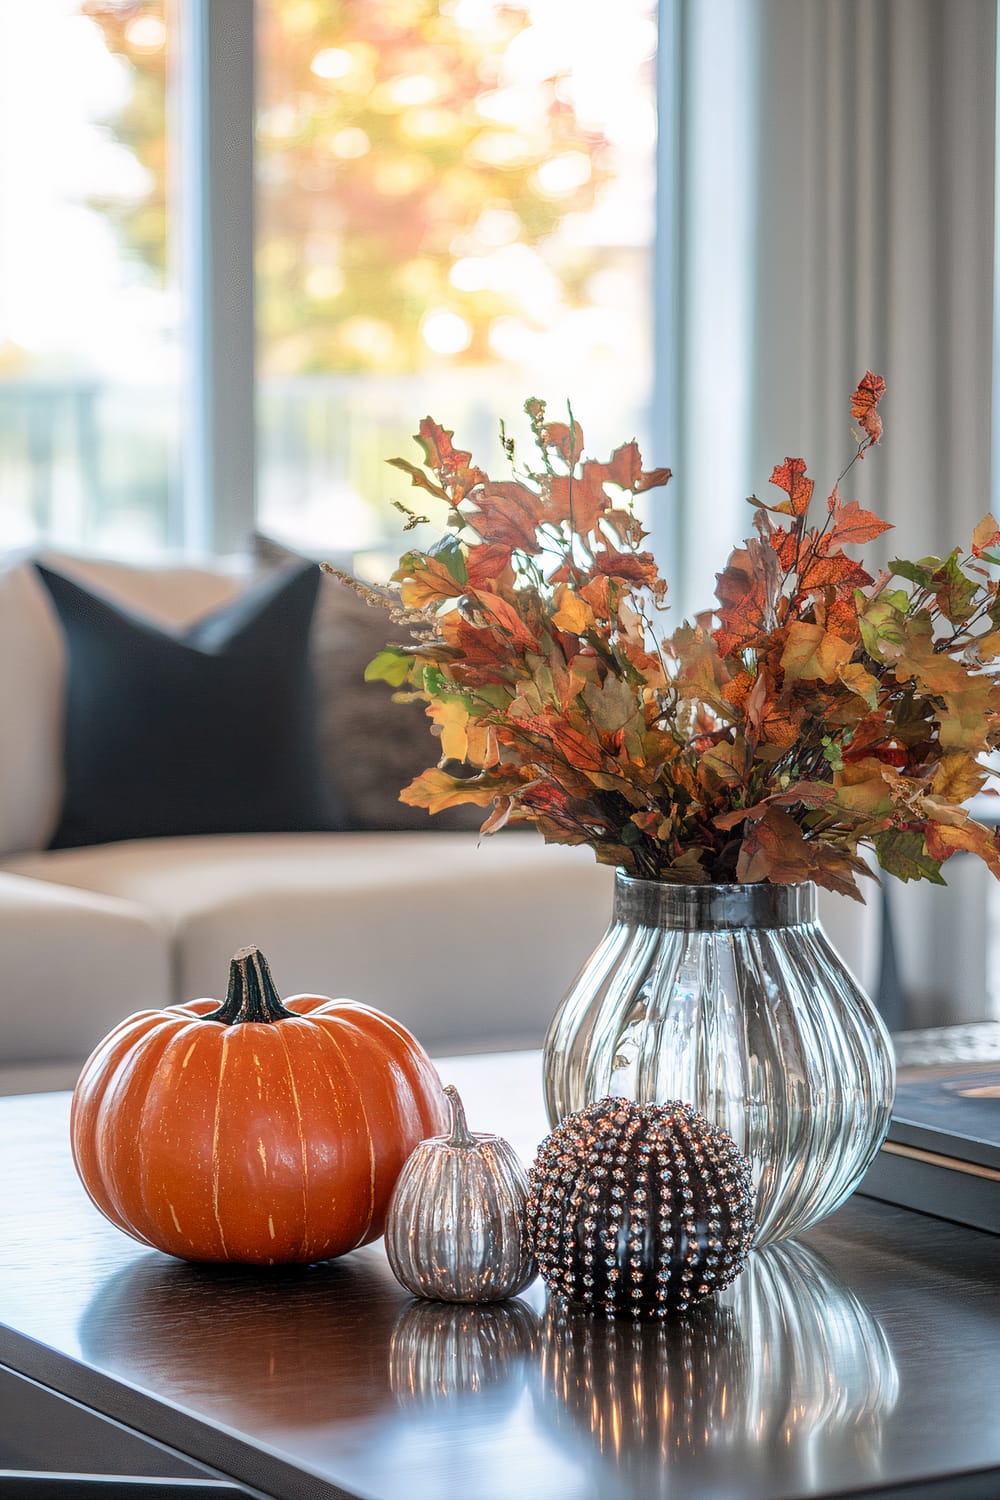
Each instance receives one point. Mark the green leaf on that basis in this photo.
(443, 690)
(903, 853)
(392, 665)
(956, 596)
(918, 573)
(882, 619)
(832, 753)
(450, 551)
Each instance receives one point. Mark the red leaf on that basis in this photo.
(740, 590)
(838, 614)
(569, 445)
(504, 615)
(853, 526)
(791, 477)
(486, 561)
(630, 567)
(452, 465)
(597, 593)
(580, 496)
(651, 479)
(986, 535)
(835, 570)
(864, 403)
(439, 450)
(576, 749)
(786, 545)
(508, 512)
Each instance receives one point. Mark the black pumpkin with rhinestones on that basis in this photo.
(639, 1209)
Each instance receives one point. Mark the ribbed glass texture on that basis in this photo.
(732, 999)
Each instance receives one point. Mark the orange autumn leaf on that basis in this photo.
(958, 777)
(985, 534)
(812, 652)
(638, 568)
(426, 581)
(811, 715)
(742, 593)
(838, 612)
(476, 656)
(436, 790)
(774, 849)
(486, 562)
(791, 477)
(864, 403)
(580, 499)
(418, 478)
(568, 443)
(452, 465)
(651, 479)
(624, 469)
(573, 613)
(853, 526)
(823, 566)
(509, 513)
(944, 839)
(573, 747)
(505, 616)
(857, 679)
(597, 593)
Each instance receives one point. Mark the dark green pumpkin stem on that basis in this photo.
(460, 1133)
(251, 995)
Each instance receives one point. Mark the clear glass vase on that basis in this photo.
(731, 998)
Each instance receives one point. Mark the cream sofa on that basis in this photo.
(469, 942)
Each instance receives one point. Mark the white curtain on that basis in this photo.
(834, 211)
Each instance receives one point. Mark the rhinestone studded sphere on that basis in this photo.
(639, 1209)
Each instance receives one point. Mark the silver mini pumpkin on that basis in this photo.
(456, 1227)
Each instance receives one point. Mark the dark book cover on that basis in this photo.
(942, 1153)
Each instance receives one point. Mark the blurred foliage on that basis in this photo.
(411, 181)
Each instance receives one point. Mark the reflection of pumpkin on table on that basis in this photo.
(300, 1345)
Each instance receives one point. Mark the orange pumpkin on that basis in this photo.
(252, 1131)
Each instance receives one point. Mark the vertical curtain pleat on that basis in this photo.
(874, 247)
(870, 141)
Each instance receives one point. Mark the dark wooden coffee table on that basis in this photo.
(862, 1360)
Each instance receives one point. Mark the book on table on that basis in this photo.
(942, 1152)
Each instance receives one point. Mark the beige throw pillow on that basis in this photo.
(370, 746)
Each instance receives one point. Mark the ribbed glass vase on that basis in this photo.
(731, 998)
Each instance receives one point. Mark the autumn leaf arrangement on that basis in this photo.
(815, 712)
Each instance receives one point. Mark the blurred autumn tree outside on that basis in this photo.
(412, 183)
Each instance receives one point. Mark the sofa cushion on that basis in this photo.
(207, 731)
(371, 747)
(173, 591)
(32, 675)
(469, 943)
(75, 963)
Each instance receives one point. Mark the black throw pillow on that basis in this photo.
(208, 731)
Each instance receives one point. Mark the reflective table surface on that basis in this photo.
(862, 1358)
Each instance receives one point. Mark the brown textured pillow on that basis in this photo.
(370, 747)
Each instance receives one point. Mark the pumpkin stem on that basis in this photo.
(460, 1133)
(251, 995)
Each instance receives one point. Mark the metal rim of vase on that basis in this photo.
(712, 908)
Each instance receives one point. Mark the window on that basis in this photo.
(455, 212)
(89, 321)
